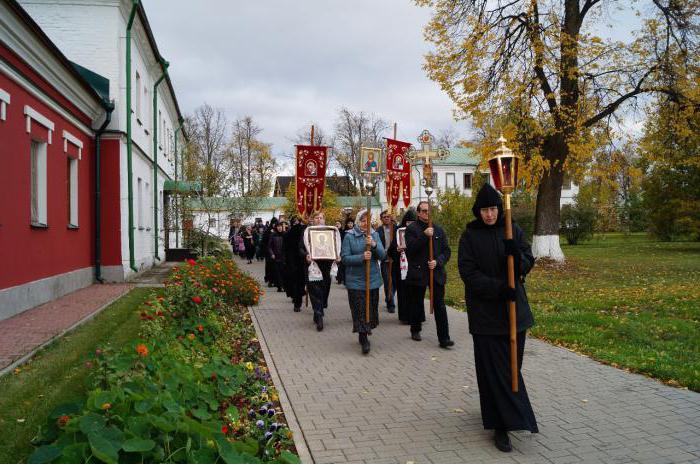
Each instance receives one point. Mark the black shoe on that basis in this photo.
(502, 441)
(297, 309)
(446, 343)
(280, 290)
(416, 336)
(391, 310)
(319, 323)
(364, 341)
(404, 322)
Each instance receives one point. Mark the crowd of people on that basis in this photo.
(402, 266)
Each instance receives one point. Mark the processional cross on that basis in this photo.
(426, 154)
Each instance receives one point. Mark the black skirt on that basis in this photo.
(500, 407)
(356, 298)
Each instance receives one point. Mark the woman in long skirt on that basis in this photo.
(354, 258)
(249, 241)
(401, 296)
(482, 265)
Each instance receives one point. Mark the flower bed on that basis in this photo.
(192, 388)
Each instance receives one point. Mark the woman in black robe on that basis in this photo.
(270, 276)
(482, 266)
(294, 263)
(401, 296)
(249, 242)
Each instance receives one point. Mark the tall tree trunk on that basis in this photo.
(545, 242)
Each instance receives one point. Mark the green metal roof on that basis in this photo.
(181, 186)
(99, 83)
(457, 157)
(263, 203)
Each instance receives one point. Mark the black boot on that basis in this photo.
(319, 323)
(502, 441)
(364, 341)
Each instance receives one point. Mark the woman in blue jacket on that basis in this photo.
(354, 257)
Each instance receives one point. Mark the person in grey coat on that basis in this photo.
(354, 257)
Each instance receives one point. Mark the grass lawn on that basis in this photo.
(625, 300)
(57, 374)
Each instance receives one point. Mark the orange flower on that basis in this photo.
(142, 350)
(200, 328)
(190, 336)
(106, 406)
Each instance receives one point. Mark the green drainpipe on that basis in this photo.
(164, 65)
(177, 217)
(108, 107)
(130, 175)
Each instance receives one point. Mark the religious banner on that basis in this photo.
(398, 172)
(310, 178)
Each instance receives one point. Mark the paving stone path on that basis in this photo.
(411, 401)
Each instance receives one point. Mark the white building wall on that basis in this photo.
(92, 33)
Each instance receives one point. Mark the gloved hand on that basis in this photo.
(508, 293)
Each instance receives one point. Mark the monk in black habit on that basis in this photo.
(482, 266)
(295, 264)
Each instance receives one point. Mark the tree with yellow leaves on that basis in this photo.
(537, 71)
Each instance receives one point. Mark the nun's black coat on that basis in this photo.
(482, 266)
(295, 266)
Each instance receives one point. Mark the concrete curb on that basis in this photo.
(60, 334)
(297, 433)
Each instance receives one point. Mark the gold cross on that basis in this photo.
(426, 154)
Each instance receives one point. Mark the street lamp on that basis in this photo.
(504, 171)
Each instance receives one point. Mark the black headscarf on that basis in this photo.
(487, 197)
(409, 215)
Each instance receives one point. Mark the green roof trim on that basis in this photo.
(457, 157)
(99, 83)
(181, 186)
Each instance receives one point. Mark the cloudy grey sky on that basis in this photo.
(288, 63)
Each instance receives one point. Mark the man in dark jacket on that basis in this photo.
(294, 264)
(482, 266)
(387, 234)
(417, 279)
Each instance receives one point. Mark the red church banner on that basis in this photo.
(398, 172)
(310, 178)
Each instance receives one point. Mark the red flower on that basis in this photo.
(200, 327)
(197, 299)
(191, 262)
(224, 429)
(63, 420)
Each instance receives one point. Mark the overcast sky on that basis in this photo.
(288, 63)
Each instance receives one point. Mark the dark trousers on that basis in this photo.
(415, 296)
(277, 267)
(389, 296)
(319, 289)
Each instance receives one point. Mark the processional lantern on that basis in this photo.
(504, 168)
(504, 171)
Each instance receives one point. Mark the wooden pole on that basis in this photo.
(390, 261)
(306, 217)
(312, 134)
(430, 253)
(511, 304)
(368, 247)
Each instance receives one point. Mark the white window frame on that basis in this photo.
(68, 137)
(73, 199)
(447, 180)
(470, 176)
(33, 115)
(139, 200)
(137, 91)
(38, 150)
(148, 222)
(4, 101)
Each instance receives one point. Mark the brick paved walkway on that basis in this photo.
(22, 334)
(411, 401)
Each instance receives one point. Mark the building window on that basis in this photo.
(72, 191)
(467, 181)
(139, 204)
(434, 180)
(137, 103)
(161, 127)
(148, 208)
(4, 101)
(566, 185)
(212, 222)
(38, 183)
(450, 180)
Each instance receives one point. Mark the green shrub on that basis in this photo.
(577, 223)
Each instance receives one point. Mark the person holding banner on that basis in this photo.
(482, 266)
(354, 257)
(387, 234)
(319, 270)
(409, 217)
(417, 279)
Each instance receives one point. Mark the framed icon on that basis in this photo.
(401, 237)
(322, 241)
(371, 160)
